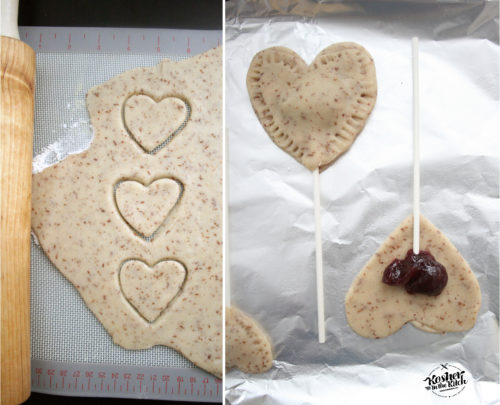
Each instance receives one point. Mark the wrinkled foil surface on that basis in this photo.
(365, 194)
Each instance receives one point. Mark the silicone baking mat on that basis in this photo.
(72, 354)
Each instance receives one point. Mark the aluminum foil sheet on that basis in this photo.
(365, 194)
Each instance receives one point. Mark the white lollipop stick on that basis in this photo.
(416, 150)
(319, 259)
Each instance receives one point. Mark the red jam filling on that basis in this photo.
(420, 274)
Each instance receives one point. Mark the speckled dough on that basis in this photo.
(313, 112)
(80, 228)
(145, 208)
(247, 345)
(377, 310)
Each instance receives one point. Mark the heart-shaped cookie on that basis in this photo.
(377, 310)
(145, 208)
(247, 346)
(313, 112)
(151, 123)
(150, 289)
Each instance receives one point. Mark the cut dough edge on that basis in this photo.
(240, 324)
(127, 272)
(212, 364)
(425, 328)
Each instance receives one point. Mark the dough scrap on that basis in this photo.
(76, 220)
(150, 289)
(145, 208)
(377, 310)
(247, 346)
(151, 122)
(313, 112)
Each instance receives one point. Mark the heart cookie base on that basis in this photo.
(76, 221)
(377, 310)
(247, 345)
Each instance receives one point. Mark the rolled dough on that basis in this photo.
(80, 228)
(247, 345)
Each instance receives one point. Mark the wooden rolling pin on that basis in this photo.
(16, 149)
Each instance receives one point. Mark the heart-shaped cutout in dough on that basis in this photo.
(145, 208)
(150, 289)
(377, 310)
(313, 112)
(151, 123)
(247, 346)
